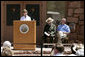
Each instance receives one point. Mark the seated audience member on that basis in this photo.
(58, 50)
(63, 30)
(6, 49)
(77, 49)
(49, 30)
(80, 52)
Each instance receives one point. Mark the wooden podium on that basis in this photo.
(24, 35)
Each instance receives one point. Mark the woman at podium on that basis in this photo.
(25, 17)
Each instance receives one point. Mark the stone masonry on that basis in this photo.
(75, 14)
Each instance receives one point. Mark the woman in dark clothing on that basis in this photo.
(49, 30)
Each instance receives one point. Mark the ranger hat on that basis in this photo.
(24, 10)
(50, 19)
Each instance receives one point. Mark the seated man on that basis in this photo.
(63, 30)
(49, 30)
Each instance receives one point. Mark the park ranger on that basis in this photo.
(25, 17)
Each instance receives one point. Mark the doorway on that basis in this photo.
(12, 10)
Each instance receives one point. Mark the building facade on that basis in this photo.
(12, 10)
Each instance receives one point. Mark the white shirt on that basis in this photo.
(27, 18)
(59, 54)
(80, 52)
(72, 55)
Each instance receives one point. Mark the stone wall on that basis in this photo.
(75, 14)
(57, 6)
